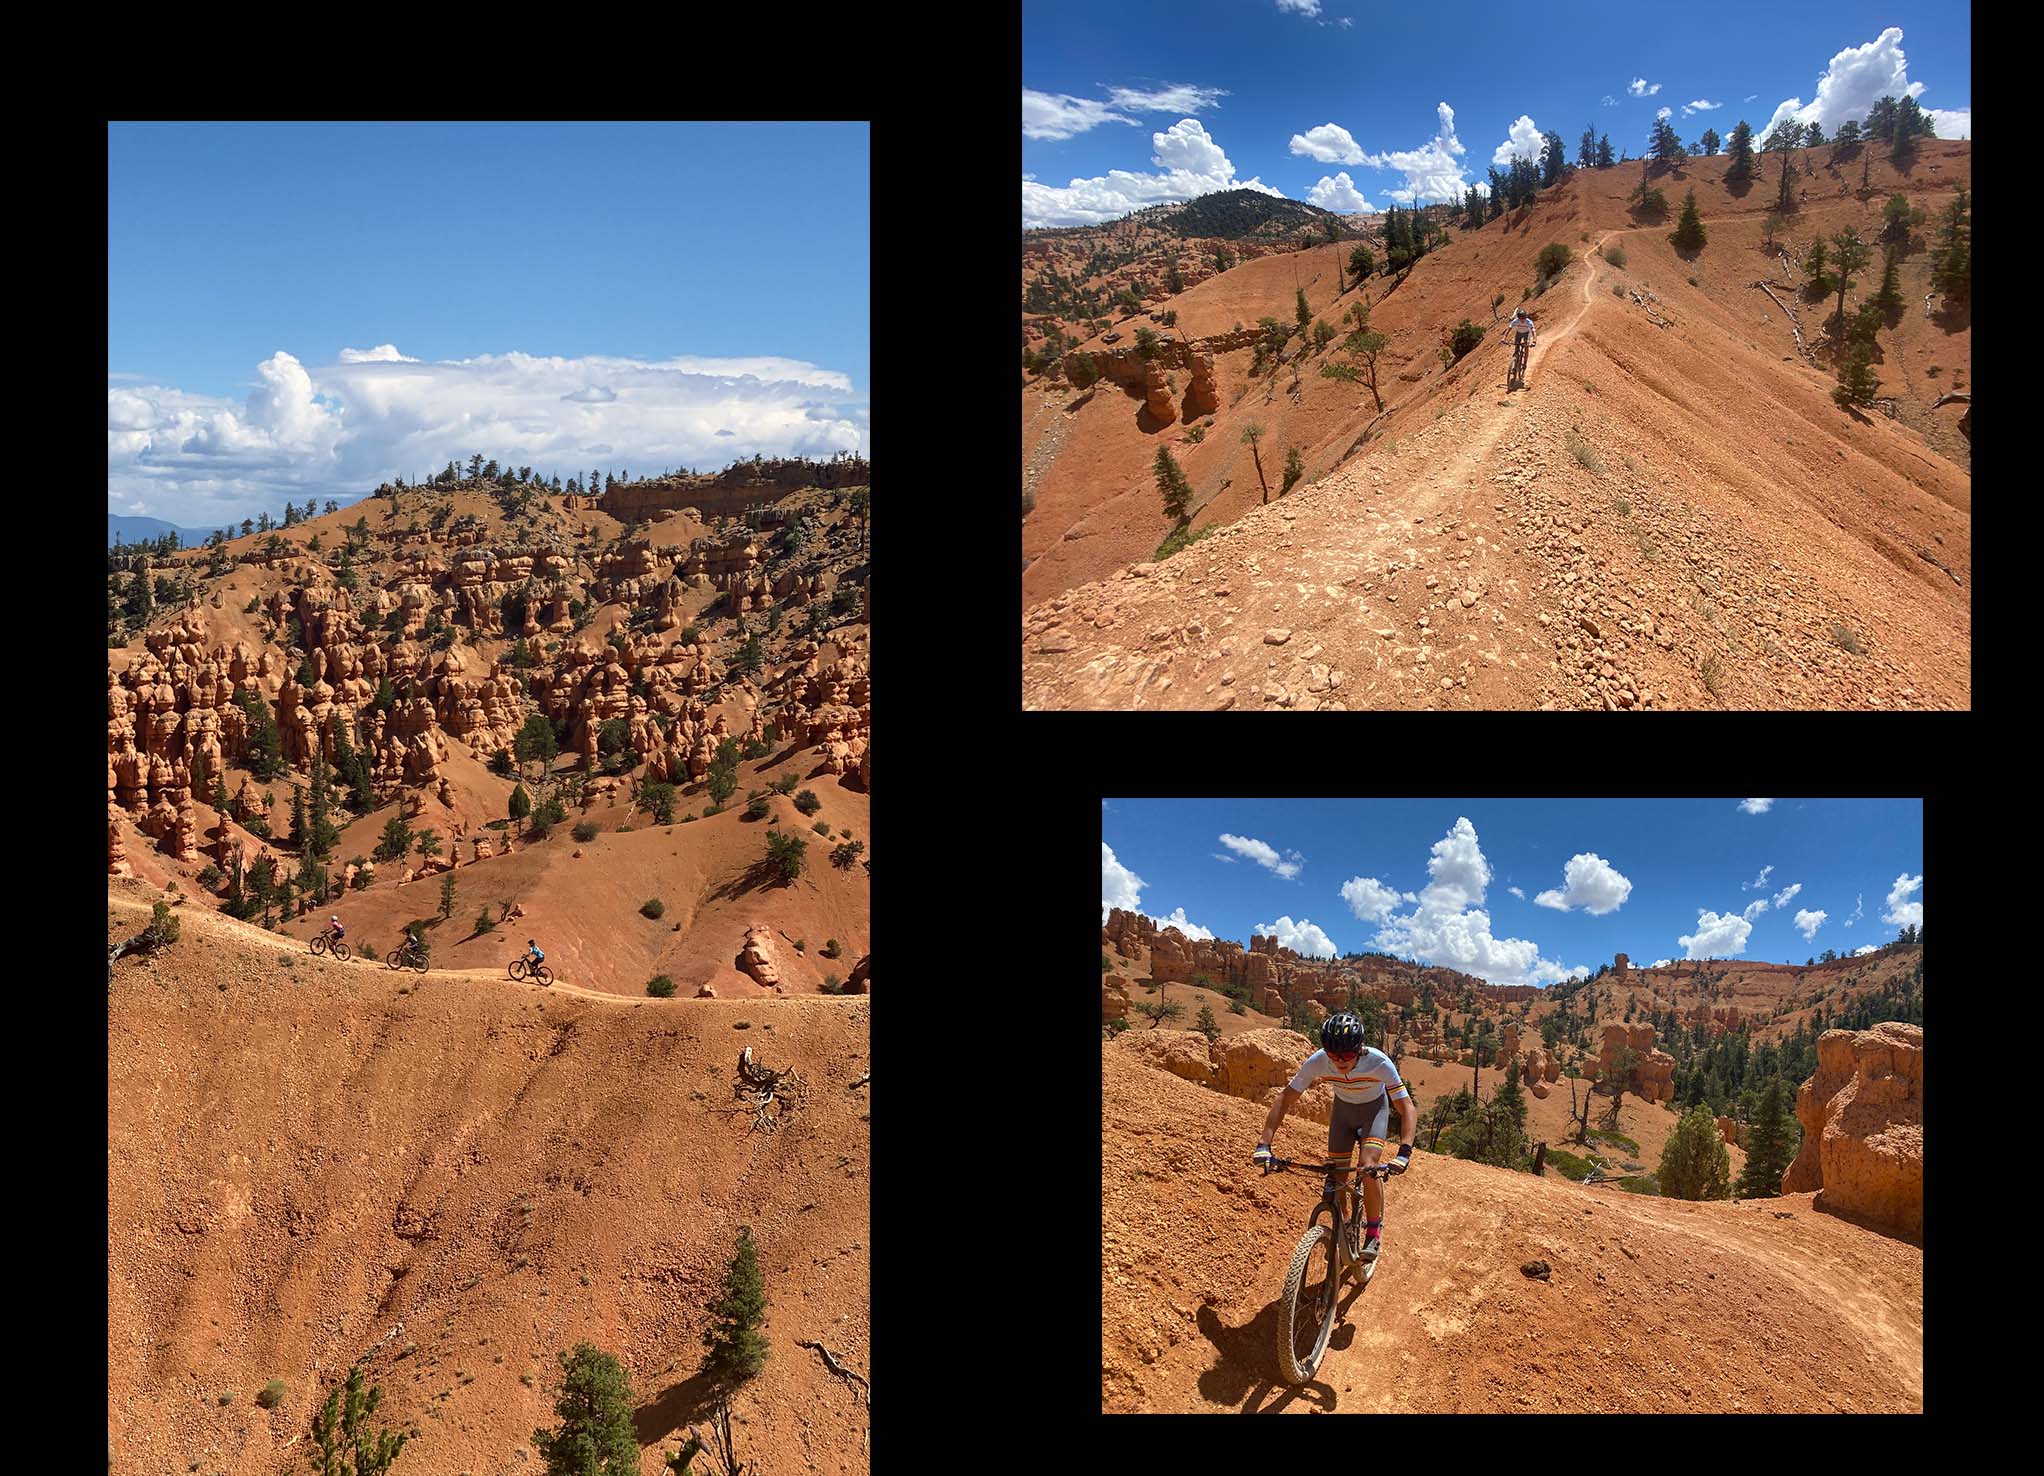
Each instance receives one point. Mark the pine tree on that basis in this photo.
(736, 1351)
(1666, 147)
(447, 895)
(1888, 298)
(1739, 150)
(1305, 313)
(1813, 265)
(1710, 141)
(1770, 1145)
(1852, 255)
(1856, 381)
(1688, 234)
(1952, 270)
(1586, 155)
(595, 1436)
(343, 1437)
(1847, 142)
(298, 836)
(1171, 482)
(1604, 151)
(1785, 201)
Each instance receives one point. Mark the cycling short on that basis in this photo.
(1353, 1122)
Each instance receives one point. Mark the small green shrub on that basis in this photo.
(801, 945)
(1583, 452)
(1615, 255)
(660, 987)
(585, 830)
(1179, 539)
(821, 827)
(784, 784)
(831, 949)
(653, 908)
(272, 1395)
(807, 802)
(757, 808)
(830, 984)
(1552, 259)
(1617, 289)
(1845, 640)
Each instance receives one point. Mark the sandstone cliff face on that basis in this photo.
(1862, 1119)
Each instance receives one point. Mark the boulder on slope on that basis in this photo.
(1180, 1052)
(1862, 1117)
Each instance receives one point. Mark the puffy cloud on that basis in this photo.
(1951, 122)
(1448, 927)
(1193, 164)
(1717, 935)
(1431, 171)
(1808, 922)
(1308, 8)
(1339, 194)
(1699, 106)
(1756, 806)
(1754, 908)
(1119, 887)
(1901, 911)
(1055, 115)
(1783, 898)
(1639, 88)
(334, 430)
(1866, 948)
(1286, 866)
(1330, 143)
(1523, 140)
(1593, 884)
(1301, 937)
(1857, 78)
(1662, 113)
(1370, 900)
(1660, 963)
(1177, 920)
(1758, 881)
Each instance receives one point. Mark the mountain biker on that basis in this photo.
(413, 942)
(334, 929)
(532, 953)
(1524, 329)
(1361, 1076)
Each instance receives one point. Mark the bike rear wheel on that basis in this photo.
(1306, 1309)
(340, 951)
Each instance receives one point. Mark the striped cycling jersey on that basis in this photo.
(1364, 1081)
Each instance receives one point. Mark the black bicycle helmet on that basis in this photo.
(1343, 1033)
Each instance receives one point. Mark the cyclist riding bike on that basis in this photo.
(1524, 330)
(413, 943)
(334, 930)
(1366, 1083)
(532, 954)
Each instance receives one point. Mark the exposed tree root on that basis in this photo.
(771, 1094)
(835, 1367)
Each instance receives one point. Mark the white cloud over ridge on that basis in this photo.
(1855, 79)
(1717, 935)
(1192, 164)
(338, 430)
(1177, 920)
(1302, 937)
(1901, 911)
(1119, 887)
(1448, 927)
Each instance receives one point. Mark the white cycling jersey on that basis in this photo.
(1365, 1081)
(1524, 326)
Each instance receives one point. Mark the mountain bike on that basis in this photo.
(401, 957)
(1518, 375)
(326, 942)
(1309, 1307)
(525, 968)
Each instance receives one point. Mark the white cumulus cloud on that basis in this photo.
(1192, 164)
(1783, 898)
(1119, 887)
(1857, 78)
(1449, 927)
(1639, 88)
(1337, 192)
(1302, 937)
(1593, 884)
(1369, 899)
(1717, 935)
(1758, 881)
(1523, 140)
(1866, 948)
(1177, 920)
(1808, 922)
(1330, 143)
(1756, 806)
(1901, 911)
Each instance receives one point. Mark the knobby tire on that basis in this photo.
(1306, 1309)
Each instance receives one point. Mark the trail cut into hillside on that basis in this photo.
(450, 1179)
(1671, 514)
(1646, 1304)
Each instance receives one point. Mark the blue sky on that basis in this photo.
(1523, 891)
(306, 310)
(1353, 108)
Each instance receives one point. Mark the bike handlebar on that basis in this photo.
(1279, 1165)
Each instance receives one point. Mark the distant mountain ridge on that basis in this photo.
(142, 530)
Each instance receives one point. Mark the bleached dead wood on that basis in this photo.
(864, 1077)
(1789, 313)
(1966, 395)
(771, 1094)
(839, 1369)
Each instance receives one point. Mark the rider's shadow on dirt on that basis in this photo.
(1245, 1374)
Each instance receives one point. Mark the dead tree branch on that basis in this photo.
(1926, 555)
(1787, 312)
(771, 1094)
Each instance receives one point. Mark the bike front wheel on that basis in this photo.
(1306, 1308)
(319, 944)
(542, 973)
